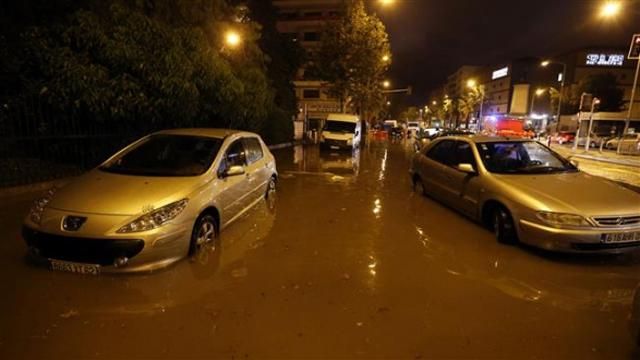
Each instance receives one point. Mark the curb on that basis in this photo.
(610, 161)
(29, 188)
(284, 145)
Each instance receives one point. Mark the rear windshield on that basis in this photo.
(167, 155)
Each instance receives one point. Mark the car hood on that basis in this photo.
(99, 192)
(577, 193)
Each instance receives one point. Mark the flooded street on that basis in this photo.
(348, 263)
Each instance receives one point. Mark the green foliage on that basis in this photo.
(603, 86)
(156, 62)
(410, 114)
(350, 58)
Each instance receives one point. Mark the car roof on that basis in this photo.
(208, 132)
(486, 138)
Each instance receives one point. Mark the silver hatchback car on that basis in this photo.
(526, 192)
(153, 203)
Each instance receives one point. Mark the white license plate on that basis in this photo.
(335, 147)
(77, 268)
(622, 237)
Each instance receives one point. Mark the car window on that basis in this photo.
(464, 154)
(254, 149)
(167, 155)
(521, 158)
(443, 152)
(234, 156)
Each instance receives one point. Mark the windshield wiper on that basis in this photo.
(543, 169)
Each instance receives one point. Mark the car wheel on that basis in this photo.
(271, 188)
(503, 227)
(204, 233)
(418, 186)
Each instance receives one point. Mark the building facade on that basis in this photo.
(303, 21)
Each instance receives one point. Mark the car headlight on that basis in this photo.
(155, 218)
(35, 213)
(563, 220)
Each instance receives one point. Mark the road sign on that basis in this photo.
(634, 52)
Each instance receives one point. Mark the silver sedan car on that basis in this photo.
(153, 203)
(526, 192)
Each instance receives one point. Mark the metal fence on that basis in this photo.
(40, 142)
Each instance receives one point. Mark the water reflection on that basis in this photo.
(567, 282)
(339, 166)
(189, 281)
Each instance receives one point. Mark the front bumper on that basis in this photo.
(144, 253)
(569, 240)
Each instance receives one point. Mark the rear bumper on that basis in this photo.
(576, 241)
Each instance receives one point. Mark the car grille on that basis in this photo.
(617, 220)
(340, 143)
(81, 250)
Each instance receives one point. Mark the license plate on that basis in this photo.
(335, 147)
(622, 237)
(87, 269)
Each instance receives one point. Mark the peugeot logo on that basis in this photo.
(73, 223)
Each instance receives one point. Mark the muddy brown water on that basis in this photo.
(347, 263)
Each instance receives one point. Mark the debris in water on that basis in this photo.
(69, 314)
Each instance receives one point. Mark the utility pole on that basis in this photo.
(634, 54)
(595, 101)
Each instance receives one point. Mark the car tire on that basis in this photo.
(418, 186)
(205, 232)
(503, 226)
(271, 188)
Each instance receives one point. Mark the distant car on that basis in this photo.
(564, 137)
(527, 193)
(341, 132)
(595, 140)
(628, 140)
(413, 127)
(153, 203)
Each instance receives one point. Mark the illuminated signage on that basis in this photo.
(500, 73)
(605, 59)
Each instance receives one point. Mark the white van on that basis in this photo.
(341, 131)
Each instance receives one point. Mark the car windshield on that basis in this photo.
(167, 155)
(340, 126)
(527, 157)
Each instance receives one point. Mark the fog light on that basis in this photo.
(121, 261)
(34, 251)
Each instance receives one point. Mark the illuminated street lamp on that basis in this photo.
(386, 2)
(386, 84)
(473, 84)
(538, 93)
(386, 58)
(546, 63)
(610, 9)
(232, 39)
(434, 103)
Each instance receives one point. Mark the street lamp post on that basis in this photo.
(564, 76)
(587, 144)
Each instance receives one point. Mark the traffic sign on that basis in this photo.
(634, 52)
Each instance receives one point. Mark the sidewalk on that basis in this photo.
(606, 156)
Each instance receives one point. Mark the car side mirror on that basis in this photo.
(234, 170)
(466, 168)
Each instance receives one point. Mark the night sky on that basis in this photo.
(430, 39)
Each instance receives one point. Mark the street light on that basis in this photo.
(546, 63)
(386, 84)
(538, 93)
(434, 103)
(386, 2)
(386, 58)
(473, 84)
(610, 9)
(232, 38)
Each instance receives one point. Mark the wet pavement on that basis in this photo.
(348, 263)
